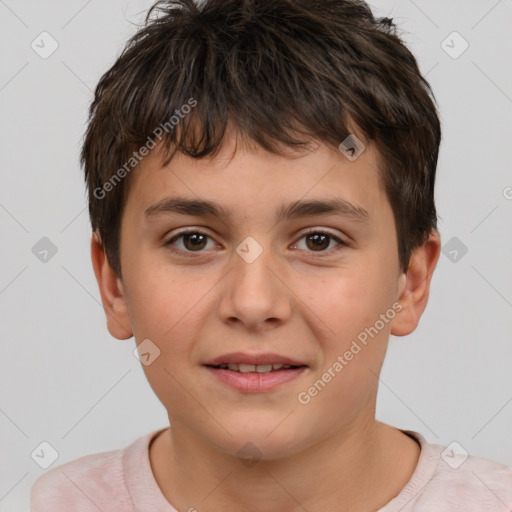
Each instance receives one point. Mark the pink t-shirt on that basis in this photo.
(122, 481)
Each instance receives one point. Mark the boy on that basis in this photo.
(261, 192)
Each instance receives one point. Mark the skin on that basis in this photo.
(295, 299)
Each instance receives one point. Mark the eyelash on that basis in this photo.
(179, 235)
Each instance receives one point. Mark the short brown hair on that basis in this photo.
(276, 69)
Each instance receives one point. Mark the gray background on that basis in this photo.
(66, 381)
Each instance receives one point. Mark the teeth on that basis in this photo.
(264, 368)
(246, 368)
(258, 368)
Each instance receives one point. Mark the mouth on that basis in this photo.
(255, 373)
(255, 368)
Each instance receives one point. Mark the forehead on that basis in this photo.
(245, 177)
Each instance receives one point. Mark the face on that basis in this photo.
(302, 286)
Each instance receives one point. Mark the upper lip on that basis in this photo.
(256, 359)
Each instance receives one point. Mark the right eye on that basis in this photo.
(192, 241)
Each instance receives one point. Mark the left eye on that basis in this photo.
(320, 240)
(195, 241)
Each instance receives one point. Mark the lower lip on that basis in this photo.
(254, 382)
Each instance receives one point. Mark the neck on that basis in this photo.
(358, 470)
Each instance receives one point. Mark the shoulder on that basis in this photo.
(90, 483)
(463, 482)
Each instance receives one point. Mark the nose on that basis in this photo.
(254, 294)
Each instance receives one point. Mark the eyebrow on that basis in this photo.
(297, 209)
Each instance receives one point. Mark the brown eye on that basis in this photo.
(319, 241)
(192, 241)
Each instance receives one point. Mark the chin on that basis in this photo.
(268, 438)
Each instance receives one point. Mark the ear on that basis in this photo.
(112, 292)
(414, 286)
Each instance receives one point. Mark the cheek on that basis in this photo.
(350, 303)
(348, 298)
(170, 306)
(350, 306)
(165, 311)
(156, 304)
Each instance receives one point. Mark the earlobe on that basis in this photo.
(111, 291)
(414, 286)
